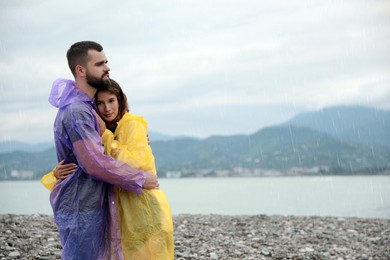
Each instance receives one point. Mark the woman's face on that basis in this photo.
(108, 105)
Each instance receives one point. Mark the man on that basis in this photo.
(83, 203)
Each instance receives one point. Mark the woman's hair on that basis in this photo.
(115, 89)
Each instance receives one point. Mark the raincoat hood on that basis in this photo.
(64, 92)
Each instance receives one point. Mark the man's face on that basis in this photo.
(97, 75)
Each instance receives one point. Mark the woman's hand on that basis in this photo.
(62, 171)
(102, 124)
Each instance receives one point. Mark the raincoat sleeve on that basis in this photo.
(89, 151)
(131, 144)
(49, 180)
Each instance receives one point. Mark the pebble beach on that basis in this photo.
(225, 237)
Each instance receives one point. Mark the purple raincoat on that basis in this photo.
(83, 204)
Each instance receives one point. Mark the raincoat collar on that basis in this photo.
(65, 92)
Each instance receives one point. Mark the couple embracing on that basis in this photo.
(104, 192)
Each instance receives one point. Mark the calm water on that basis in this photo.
(361, 196)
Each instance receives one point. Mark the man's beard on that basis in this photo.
(98, 83)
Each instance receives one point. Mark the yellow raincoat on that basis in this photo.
(145, 219)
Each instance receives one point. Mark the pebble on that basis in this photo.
(225, 237)
(14, 254)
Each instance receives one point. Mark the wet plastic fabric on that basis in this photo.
(49, 180)
(87, 220)
(145, 219)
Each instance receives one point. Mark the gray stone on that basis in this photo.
(14, 254)
(225, 237)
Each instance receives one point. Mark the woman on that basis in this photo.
(145, 219)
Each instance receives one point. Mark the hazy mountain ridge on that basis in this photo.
(284, 149)
(349, 123)
(27, 165)
(12, 145)
(291, 148)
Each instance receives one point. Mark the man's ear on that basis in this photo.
(80, 71)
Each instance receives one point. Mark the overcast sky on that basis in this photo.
(198, 68)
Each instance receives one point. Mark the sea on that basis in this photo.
(337, 196)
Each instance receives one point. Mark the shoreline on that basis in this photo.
(225, 237)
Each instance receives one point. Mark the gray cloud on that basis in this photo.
(199, 67)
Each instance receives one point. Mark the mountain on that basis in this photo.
(356, 124)
(281, 148)
(12, 145)
(156, 136)
(26, 165)
(331, 141)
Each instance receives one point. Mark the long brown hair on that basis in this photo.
(116, 90)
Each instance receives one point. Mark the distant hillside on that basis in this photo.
(349, 123)
(340, 140)
(156, 136)
(26, 165)
(274, 148)
(12, 145)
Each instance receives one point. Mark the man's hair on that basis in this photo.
(78, 54)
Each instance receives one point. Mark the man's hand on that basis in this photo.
(151, 181)
(62, 171)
